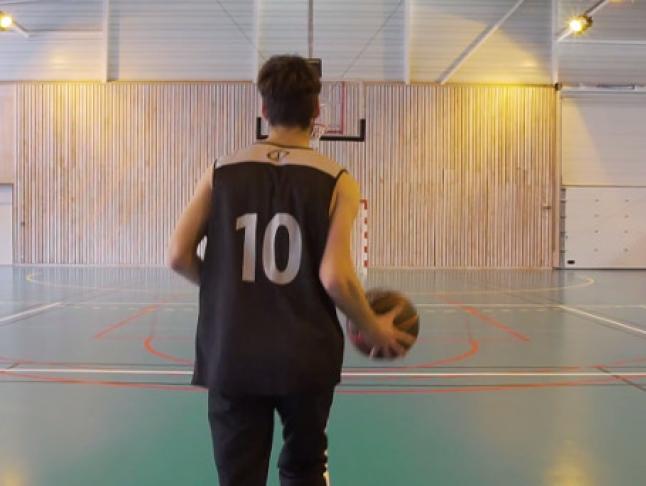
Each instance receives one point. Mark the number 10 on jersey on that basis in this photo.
(249, 222)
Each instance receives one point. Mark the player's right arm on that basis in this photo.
(340, 280)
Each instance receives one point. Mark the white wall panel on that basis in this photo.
(604, 140)
(187, 40)
(605, 227)
(362, 39)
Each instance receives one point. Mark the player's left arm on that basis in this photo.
(189, 231)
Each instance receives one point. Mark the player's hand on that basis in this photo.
(386, 339)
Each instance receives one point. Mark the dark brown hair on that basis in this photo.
(289, 87)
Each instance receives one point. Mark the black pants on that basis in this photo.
(242, 429)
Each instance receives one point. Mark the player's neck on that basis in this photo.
(289, 136)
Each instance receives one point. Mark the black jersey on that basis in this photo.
(266, 324)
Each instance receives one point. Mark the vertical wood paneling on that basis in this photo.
(7, 133)
(455, 176)
(104, 170)
(459, 176)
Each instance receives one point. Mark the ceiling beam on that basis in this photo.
(553, 43)
(310, 29)
(407, 41)
(105, 75)
(21, 30)
(477, 42)
(17, 2)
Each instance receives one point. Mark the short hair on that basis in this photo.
(289, 87)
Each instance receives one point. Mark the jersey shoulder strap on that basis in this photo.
(282, 156)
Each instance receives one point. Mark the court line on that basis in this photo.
(30, 278)
(113, 327)
(353, 374)
(491, 321)
(538, 306)
(623, 378)
(418, 305)
(604, 319)
(148, 345)
(588, 281)
(30, 312)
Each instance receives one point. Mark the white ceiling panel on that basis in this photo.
(442, 29)
(362, 39)
(188, 40)
(358, 39)
(50, 54)
(519, 52)
(50, 57)
(56, 14)
(602, 63)
(617, 20)
(282, 27)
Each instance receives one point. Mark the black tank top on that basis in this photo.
(266, 324)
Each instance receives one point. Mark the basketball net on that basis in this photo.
(320, 126)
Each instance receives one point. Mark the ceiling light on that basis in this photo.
(6, 21)
(578, 25)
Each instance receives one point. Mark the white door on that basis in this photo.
(6, 224)
(604, 176)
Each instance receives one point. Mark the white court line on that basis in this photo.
(604, 319)
(91, 303)
(594, 306)
(586, 283)
(30, 312)
(350, 374)
(30, 278)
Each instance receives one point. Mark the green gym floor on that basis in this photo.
(518, 378)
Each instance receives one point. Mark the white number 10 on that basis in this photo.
(249, 222)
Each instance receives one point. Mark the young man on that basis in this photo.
(278, 218)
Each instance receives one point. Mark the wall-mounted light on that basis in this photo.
(579, 24)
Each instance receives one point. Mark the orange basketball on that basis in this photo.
(383, 301)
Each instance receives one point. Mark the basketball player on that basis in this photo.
(278, 218)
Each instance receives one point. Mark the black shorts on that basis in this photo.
(242, 430)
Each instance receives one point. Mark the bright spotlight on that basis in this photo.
(6, 21)
(578, 25)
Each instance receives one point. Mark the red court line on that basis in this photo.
(489, 320)
(472, 351)
(141, 337)
(148, 345)
(124, 322)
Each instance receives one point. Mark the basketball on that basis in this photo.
(383, 301)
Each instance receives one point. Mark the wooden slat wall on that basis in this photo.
(455, 176)
(104, 170)
(458, 176)
(7, 133)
